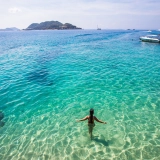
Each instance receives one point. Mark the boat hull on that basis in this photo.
(146, 39)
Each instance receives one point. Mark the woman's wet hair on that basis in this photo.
(91, 111)
(91, 115)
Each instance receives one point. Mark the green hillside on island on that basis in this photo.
(51, 25)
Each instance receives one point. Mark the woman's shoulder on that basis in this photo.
(95, 117)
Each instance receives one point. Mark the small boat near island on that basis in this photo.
(151, 38)
(98, 28)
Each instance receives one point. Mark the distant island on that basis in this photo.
(10, 29)
(51, 25)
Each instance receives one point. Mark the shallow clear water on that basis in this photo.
(48, 79)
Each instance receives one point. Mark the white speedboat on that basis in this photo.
(151, 38)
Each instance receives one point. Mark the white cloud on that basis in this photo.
(14, 10)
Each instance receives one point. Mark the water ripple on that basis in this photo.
(48, 79)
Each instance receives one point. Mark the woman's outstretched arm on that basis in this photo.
(83, 119)
(99, 120)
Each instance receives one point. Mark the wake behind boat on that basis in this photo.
(151, 38)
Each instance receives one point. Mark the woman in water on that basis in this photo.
(91, 123)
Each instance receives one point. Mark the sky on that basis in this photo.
(87, 14)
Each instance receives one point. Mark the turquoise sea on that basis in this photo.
(48, 79)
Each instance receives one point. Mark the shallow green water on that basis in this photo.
(50, 78)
